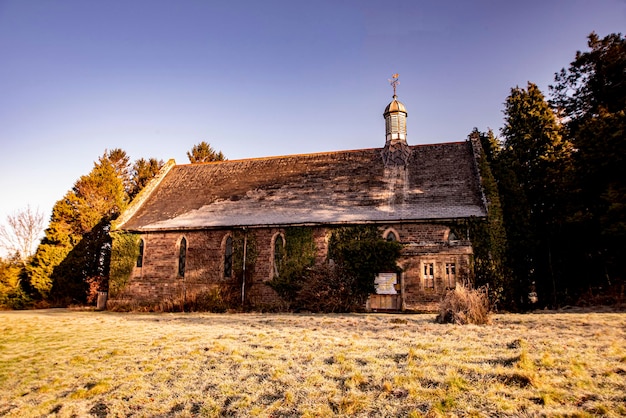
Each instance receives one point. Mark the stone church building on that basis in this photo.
(418, 195)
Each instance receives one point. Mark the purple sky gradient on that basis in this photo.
(260, 78)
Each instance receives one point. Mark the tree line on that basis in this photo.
(71, 263)
(555, 182)
(561, 177)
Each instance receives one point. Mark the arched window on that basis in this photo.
(228, 257)
(140, 256)
(390, 235)
(279, 253)
(182, 257)
(452, 236)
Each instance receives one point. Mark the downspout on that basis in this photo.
(243, 281)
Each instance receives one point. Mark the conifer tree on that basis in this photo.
(76, 243)
(534, 163)
(591, 97)
(142, 172)
(204, 153)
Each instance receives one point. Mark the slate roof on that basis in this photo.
(440, 182)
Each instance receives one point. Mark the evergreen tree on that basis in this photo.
(591, 96)
(142, 172)
(204, 153)
(533, 170)
(76, 245)
(121, 164)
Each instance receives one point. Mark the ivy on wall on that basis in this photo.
(356, 254)
(489, 236)
(362, 253)
(124, 253)
(299, 258)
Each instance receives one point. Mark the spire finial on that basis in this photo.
(394, 82)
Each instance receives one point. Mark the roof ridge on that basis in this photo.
(313, 154)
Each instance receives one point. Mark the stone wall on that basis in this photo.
(158, 277)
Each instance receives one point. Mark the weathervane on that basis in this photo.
(394, 82)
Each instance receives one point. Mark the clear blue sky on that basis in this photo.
(259, 78)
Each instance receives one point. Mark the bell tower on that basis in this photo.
(396, 151)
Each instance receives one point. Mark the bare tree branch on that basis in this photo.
(20, 235)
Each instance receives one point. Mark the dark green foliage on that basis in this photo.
(362, 253)
(204, 153)
(73, 258)
(330, 289)
(489, 237)
(591, 95)
(298, 259)
(356, 254)
(85, 265)
(533, 168)
(594, 80)
(124, 253)
(76, 245)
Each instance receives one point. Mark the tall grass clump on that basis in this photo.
(464, 306)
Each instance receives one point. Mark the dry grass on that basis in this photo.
(464, 306)
(69, 363)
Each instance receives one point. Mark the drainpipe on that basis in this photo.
(243, 281)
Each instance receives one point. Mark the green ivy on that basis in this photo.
(124, 253)
(298, 259)
(489, 236)
(361, 252)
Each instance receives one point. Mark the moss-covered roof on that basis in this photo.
(440, 181)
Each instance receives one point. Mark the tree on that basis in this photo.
(142, 172)
(21, 233)
(204, 153)
(533, 168)
(121, 164)
(11, 293)
(76, 246)
(591, 96)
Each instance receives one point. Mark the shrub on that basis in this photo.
(95, 284)
(464, 306)
(329, 289)
(12, 294)
(213, 300)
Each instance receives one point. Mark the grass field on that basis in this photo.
(78, 363)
